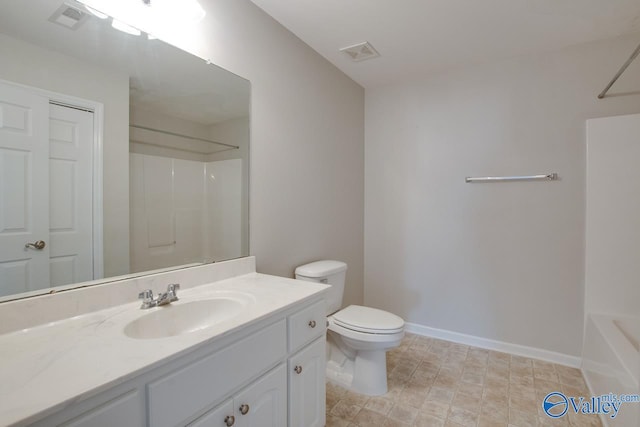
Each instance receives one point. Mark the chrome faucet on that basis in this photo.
(163, 298)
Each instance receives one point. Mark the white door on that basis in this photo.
(45, 192)
(24, 193)
(70, 190)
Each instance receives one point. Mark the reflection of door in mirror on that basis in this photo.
(46, 194)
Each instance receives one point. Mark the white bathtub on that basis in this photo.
(611, 362)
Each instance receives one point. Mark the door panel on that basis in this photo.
(63, 268)
(14, 275)
(14, 167)
(62, 187)
(24, 199)
(71, 189)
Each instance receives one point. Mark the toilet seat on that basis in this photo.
(371, 341)
(368, 320)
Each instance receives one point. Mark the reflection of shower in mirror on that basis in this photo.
(198, 219)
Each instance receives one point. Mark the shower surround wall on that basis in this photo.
(613, 213)
(184, 211)
(501, 263)
(611, 355)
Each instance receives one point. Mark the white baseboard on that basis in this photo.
(517, 349)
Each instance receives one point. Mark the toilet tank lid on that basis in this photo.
(321, 268)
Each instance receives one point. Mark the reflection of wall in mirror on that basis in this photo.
(31, 65)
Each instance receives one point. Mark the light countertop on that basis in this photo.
(46, 367)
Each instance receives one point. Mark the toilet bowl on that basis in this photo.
(357, 337)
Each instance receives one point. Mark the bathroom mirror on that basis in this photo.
(119, 154)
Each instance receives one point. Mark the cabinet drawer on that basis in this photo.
(307, 325)
(125, 410)
(193, 388)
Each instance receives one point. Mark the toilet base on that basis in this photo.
(362, 371)
(370, 373)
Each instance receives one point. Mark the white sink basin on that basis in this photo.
(185, 317)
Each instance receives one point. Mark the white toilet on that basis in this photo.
(357, 337)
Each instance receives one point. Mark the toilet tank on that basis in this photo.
(330, 272)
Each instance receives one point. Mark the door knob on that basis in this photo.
(230, 420)
(40, 244)
(298, 369)
(244, 409)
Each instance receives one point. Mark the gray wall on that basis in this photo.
(497, 261)
(307, 141)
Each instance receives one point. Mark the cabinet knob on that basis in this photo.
(312, 324)
(298, 369)
(244, 409)
(230, 420)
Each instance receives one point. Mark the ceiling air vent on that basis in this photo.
(68, 16)
(360, 52)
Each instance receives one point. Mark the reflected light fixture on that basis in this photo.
(96, 13)
(125, 28)
(150, 16)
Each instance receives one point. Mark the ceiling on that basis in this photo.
(417, 37)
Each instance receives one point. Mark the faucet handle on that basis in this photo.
(147, 299)
(146, 295)
(172, 291)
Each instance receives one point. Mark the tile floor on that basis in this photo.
(438, 383)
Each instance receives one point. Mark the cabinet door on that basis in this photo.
(263, 403)
(218, 417)
(307, 386)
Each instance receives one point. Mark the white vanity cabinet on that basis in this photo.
(270, 374)
(174, 398)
